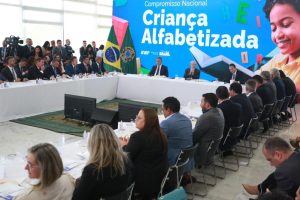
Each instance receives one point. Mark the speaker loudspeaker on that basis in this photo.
(109, 117)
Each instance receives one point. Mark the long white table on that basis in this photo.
(29, 98)
(155, 89)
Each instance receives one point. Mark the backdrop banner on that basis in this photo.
(214, 33)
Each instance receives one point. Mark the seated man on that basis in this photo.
(177, 127)
(286, 177)
(235, 91)
(235, 74)
(97, 67)
(192, 72)
(232, 114)
(71, 67)
(159, 69)
(209, 127)
(268, 82)
(280, 88)
(265, 92)
(10, 72)
(84, 67)
(53, 70)
(254, 98)
(36, 70)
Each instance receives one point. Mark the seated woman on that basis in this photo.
(108, 171)
(45, 164)
(148, 151)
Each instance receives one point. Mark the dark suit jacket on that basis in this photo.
(238, 77)
(25, 52)
(290, 88)
(209, 126)
(60, 51)
(280, 88)
(163, 71)
(146, 151)
(3, 54)
(9, 76)
(232, 114)
(69, 70)
(94, 185)
(247, 110)
(35, 73)
(98, 68)
(49, 71)
(266, 94)
(285, 178)
(256, 102)
(83, 52)
(187, 74)
(82, 70)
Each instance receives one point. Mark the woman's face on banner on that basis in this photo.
(285, 25)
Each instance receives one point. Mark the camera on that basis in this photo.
(13, 40)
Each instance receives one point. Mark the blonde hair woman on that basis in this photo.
(107, 171)
(44, 163)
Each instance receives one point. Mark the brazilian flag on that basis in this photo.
(112, 52)
(128, 54)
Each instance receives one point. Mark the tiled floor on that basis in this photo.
(16, 138)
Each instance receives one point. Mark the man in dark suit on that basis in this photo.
(95, 49)
(280, 88)
(254, 98)
(53, 70)
(59, 50)
(97, 66)
(235, 74)
(235, 91)
(71, 67)
(84, 66)
(232, 114)
(23, 68)
(36, 70)
(69, 50)
(159, 69)
(209, 127)
(192, 72)
(290, 88)
(83, 50)
(265, 92)
(10, 72)
(269, 83)
(27, 50)
(286, 177)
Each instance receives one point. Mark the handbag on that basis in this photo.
(177, 194)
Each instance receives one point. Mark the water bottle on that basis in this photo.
(85, 136)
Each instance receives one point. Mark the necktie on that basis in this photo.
(157, 72)
(233, 76)
(13, 73)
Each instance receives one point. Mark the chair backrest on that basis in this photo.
(125, 195)
(273, 112)
(253, 122)
(211, 151)
(286, 102)
(279, 105)
(233, 132)
(294, 100)
(172, 178)
(266, 112)
(187, 153)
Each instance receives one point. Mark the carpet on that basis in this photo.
(55, 121)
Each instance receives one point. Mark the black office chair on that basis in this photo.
(234, 135)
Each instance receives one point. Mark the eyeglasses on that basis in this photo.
(31, 166)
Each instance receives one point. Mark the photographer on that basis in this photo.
(3, 54)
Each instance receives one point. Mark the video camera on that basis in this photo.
(13, 41)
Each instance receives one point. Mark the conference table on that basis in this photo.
(23, 99)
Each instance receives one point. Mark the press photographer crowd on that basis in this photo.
(27, 62)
